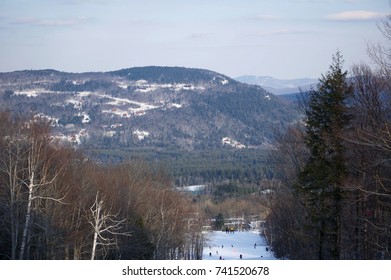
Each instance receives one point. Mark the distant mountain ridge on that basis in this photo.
(140, 107)
(279, 86)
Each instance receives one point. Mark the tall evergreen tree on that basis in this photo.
(321, 180)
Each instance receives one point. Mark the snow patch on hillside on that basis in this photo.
(35, 92)
(84, 93)
(77, 104)
(141, 134)
(122, 84)
(140, 110)
(222, 80)
(75, 137)
(118, 112)
(233, 143)
(175, 105)
(192, 188)
(86, 118)
(28, 93)
(53, 121)
(145, 87)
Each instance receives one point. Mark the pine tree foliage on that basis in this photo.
(321, 180)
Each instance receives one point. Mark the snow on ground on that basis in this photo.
(122, 84)
(29, 92)
(224, 82)
(193, 188)
(175, 105)
(77, 104)
(232, 143)
(143, 86)
(141, 134)
(86, 117)
(250, 244)
(84, 93)
(142, 107)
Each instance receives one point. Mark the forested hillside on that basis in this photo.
(148, 107)
(205, 125)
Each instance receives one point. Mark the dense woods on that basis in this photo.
(334, 200)
(55, 204)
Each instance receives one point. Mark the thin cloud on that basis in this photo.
(49, 22)
(284, 31)
(263, 17)
(200, 35)
(275, 32)
(355, 16)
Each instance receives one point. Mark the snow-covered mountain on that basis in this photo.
(279, 86)
(170, 107)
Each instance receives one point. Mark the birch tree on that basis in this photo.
(106, 226)
(38, 173)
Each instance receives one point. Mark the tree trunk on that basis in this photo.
(96, 227)
(28, 217)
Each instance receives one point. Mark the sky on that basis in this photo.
(284, 39)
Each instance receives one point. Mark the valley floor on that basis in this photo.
(229, 246)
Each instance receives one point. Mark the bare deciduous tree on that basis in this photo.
(38, 174)
(105, 224)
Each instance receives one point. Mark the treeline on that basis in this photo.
(91, 85)
(334, 200)
(162, 74)
(197, 167)
(56, 204)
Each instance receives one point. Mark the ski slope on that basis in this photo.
(229, 246)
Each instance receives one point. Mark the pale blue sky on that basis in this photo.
(279, 38)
